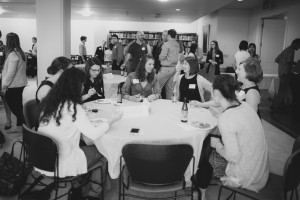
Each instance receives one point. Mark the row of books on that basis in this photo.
(151, 36)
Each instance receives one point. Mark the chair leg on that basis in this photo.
(175, 195)
(233, 193)
(220, 191)
(292, 195)
(123, 192)
(296, 194)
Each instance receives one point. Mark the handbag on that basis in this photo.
(218, 163)
(13, 172)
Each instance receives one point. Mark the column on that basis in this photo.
(53, 20)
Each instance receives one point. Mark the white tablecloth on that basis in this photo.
(162, 126)
(111, 85)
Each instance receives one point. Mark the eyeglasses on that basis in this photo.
(95, 70)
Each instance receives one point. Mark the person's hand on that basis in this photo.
(91, 92)
(214, 112)
(151, 97)
(3, 91)
(178, 67)
(122, 66)
(214, 141)
(116, 116)
(135, 98)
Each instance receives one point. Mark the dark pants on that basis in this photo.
(80, 60)
(115, 65)
(282, 99)
(14, 100)
(295, 83)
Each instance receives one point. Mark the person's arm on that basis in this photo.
(149, 50)
(230, 148)
(127, 57)
(220, 61)
(156, 90)
(126, 89)
(164, 52)
(253, 98)
(12, 60)
(43, 91)
(208, 57)
(177, 91)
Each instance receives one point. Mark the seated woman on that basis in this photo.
(93, 86)
(242, 144)
(249, 73)
(142, 82)
(191, 85)
(64, 119)
(56, 68)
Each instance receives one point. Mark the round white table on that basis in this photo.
(162, 126)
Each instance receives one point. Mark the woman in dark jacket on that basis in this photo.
(214, 59)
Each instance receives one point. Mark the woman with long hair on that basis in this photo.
(252, 51)
(63, 118)
(14, 78)
(143, 82)
(56, 68)
(239, 156)
(93, 86)
(191, 85)
(214, 59)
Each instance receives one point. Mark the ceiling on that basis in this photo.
(132, 10)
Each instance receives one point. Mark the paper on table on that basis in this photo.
(135, 111)
(108, 76)
(187, 127)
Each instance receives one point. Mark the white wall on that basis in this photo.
(25, 28)
(97, 30)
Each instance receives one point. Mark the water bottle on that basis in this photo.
(119, 95)
(184, 111)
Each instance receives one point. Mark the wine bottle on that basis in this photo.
(119, 95)
(184, 111)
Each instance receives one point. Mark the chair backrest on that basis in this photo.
(296, 145)
(41, 150)
(291, 172)
(31, 113)
(157, 164)
(120, 85)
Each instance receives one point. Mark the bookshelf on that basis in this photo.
(152, 38)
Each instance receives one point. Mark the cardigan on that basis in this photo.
(72, 160)
(218, 59)
(14, 71)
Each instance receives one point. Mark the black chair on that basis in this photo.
(277, 186)
(42, 153)
(31, 113)
(156, 169)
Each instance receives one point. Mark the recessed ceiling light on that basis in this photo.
(177, 9)
(1, 11)
(240, 0)
(163, 0)
(86, 13)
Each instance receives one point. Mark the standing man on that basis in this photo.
(82, 50)
(286, 64)
(117, 53)
(34, 55)
(168, 59)
(157, 50)
(136, 51)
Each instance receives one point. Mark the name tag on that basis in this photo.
(143, 48)
(1, 53)
(100, 48)
(135, 81)
(192, 86)
(115, 47)
(217, 55)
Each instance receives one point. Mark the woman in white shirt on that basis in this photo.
(242, 144)
(64, 119)
(14, 78)
(242, 54)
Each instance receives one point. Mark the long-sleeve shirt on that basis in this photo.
(72, 160)
(117, 52)
(169, 53)
(14, 71)
(133, 86)
(244, 147)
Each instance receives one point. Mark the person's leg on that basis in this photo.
(14, 100)
(162, 77)
(170, 83)
(93, 156)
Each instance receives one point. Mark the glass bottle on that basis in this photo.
(184, 111)
(119, 95)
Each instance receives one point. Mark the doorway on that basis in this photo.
(272, 42)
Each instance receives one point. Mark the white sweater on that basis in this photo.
(244, 148)
(72, 160)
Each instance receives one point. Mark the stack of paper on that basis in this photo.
(135, 111)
